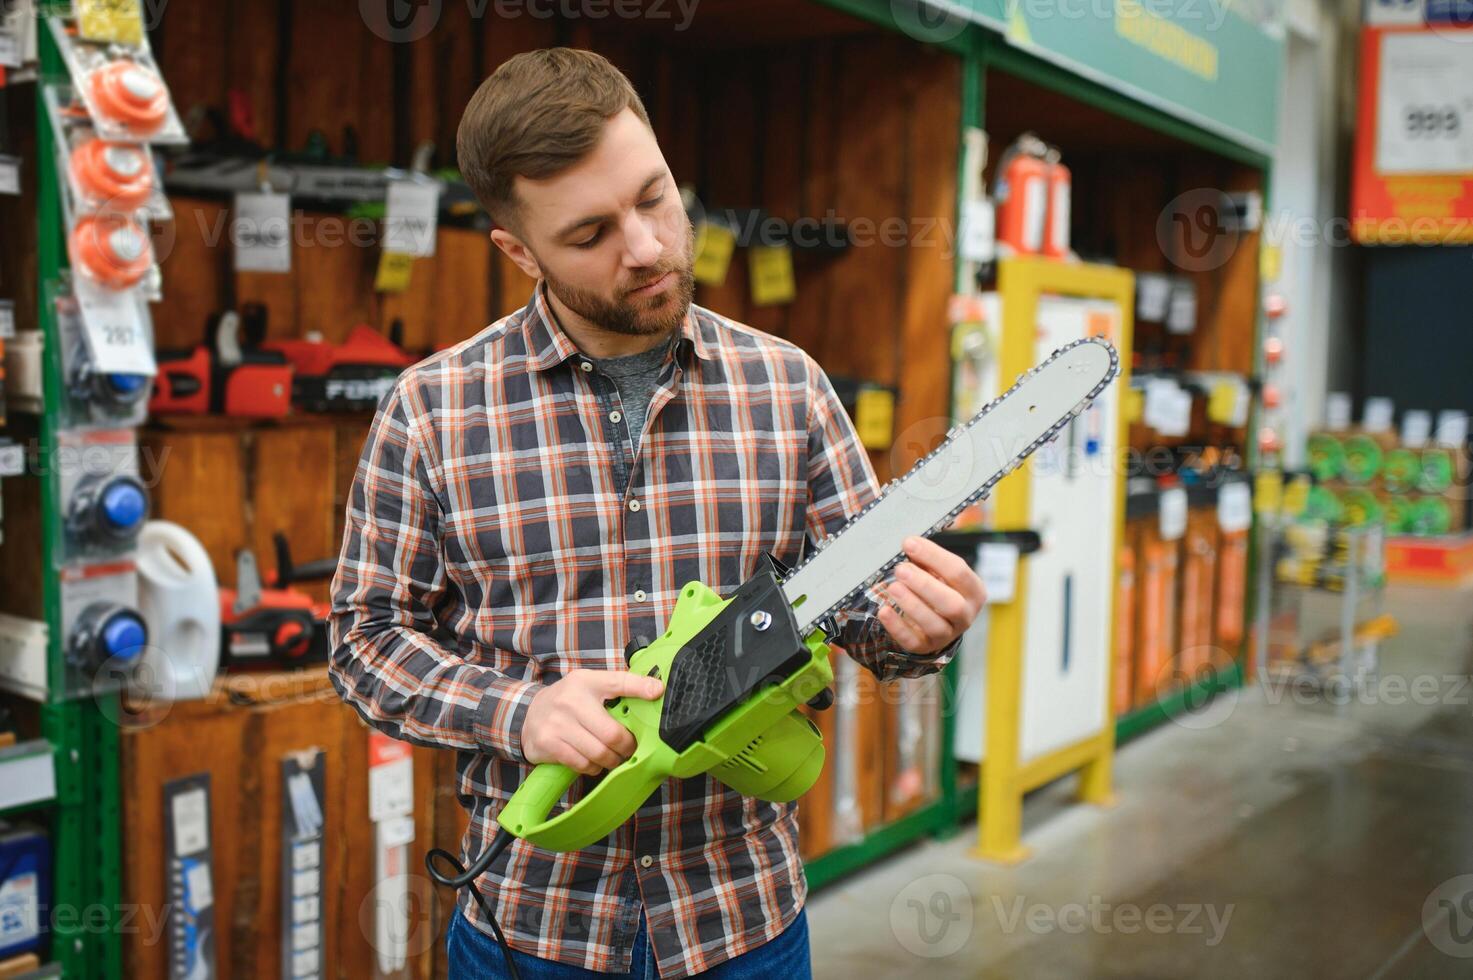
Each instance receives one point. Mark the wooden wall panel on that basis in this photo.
(239, 735)
(202, 485)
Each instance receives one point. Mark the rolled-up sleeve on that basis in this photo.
(841, 482)
(384, 661)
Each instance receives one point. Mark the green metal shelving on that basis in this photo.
(78, 735)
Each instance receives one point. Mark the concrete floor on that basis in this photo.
(1281, 836)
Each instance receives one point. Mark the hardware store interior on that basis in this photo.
(838, 488)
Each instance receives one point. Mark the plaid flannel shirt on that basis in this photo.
(501, 531)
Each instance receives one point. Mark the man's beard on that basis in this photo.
(631, 315)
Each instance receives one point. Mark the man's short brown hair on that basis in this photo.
(539, 113)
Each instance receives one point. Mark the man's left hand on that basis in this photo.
(939, 596)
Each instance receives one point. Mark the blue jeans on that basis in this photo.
(473, 955)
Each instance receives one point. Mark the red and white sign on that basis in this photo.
(1413, 160)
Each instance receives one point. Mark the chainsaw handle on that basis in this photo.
(602, 810)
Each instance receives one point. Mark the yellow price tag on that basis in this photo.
(771, 268)
(1222, 403)
(394, 271)
(714, 245)
(1296, 496)
(874, 417)
(1268, 492)
(1270, 263)
(111, 21)
(1134, 405)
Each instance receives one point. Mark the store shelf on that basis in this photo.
(1157, 713)
(27, 775)
(933, 819)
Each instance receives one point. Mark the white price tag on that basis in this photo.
(997, 567)
(10, 56)
(1452, 429)
(1181, 317)
(1168, 407)
(979, 234)
(9, 175)
(412, 215)
(1416, 428)
(1152, 296)
(1173, 514)
(261, 233)
(191, 813)
(1337, 411)
(1424, 105)
(12, 459)
(7, 319)
(201, 887)
(1234, 507)
(397, 831)
(118, 337)
(391, 789)
(1378, 415)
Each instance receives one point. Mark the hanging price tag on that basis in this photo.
(997, 567)
(714, 245)
(412, 218)
(1268, 492)
(979, 235)
(10, 56)
(771, 270)
(9, 175)
(261, 232)
(1452, 429)
(1378, 414)
(1416, 428)
(1173, 514)
(118, 338)
(1234, 507)
(390, 778)
(394, 271)
(1152, 295)
(1181, 315)
(111, 21)
(874, 417)
(12, 459)
(7, 319)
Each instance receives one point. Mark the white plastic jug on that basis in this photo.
(180, 601)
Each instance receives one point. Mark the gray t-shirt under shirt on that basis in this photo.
(636, 376)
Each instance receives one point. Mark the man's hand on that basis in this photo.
(567, 722)
(939, 596)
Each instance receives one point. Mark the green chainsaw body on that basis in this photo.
(728, 708)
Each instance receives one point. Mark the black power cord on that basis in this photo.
(466, 877)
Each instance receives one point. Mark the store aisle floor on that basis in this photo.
(1283, 836)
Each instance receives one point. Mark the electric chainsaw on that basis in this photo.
(737, 670)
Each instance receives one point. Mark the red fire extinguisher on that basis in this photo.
(1056, 233)
(1021, 190)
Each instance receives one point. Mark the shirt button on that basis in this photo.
(586, 366)
(646, 861)
(639, 595)
(634, 505)
(615, 415)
